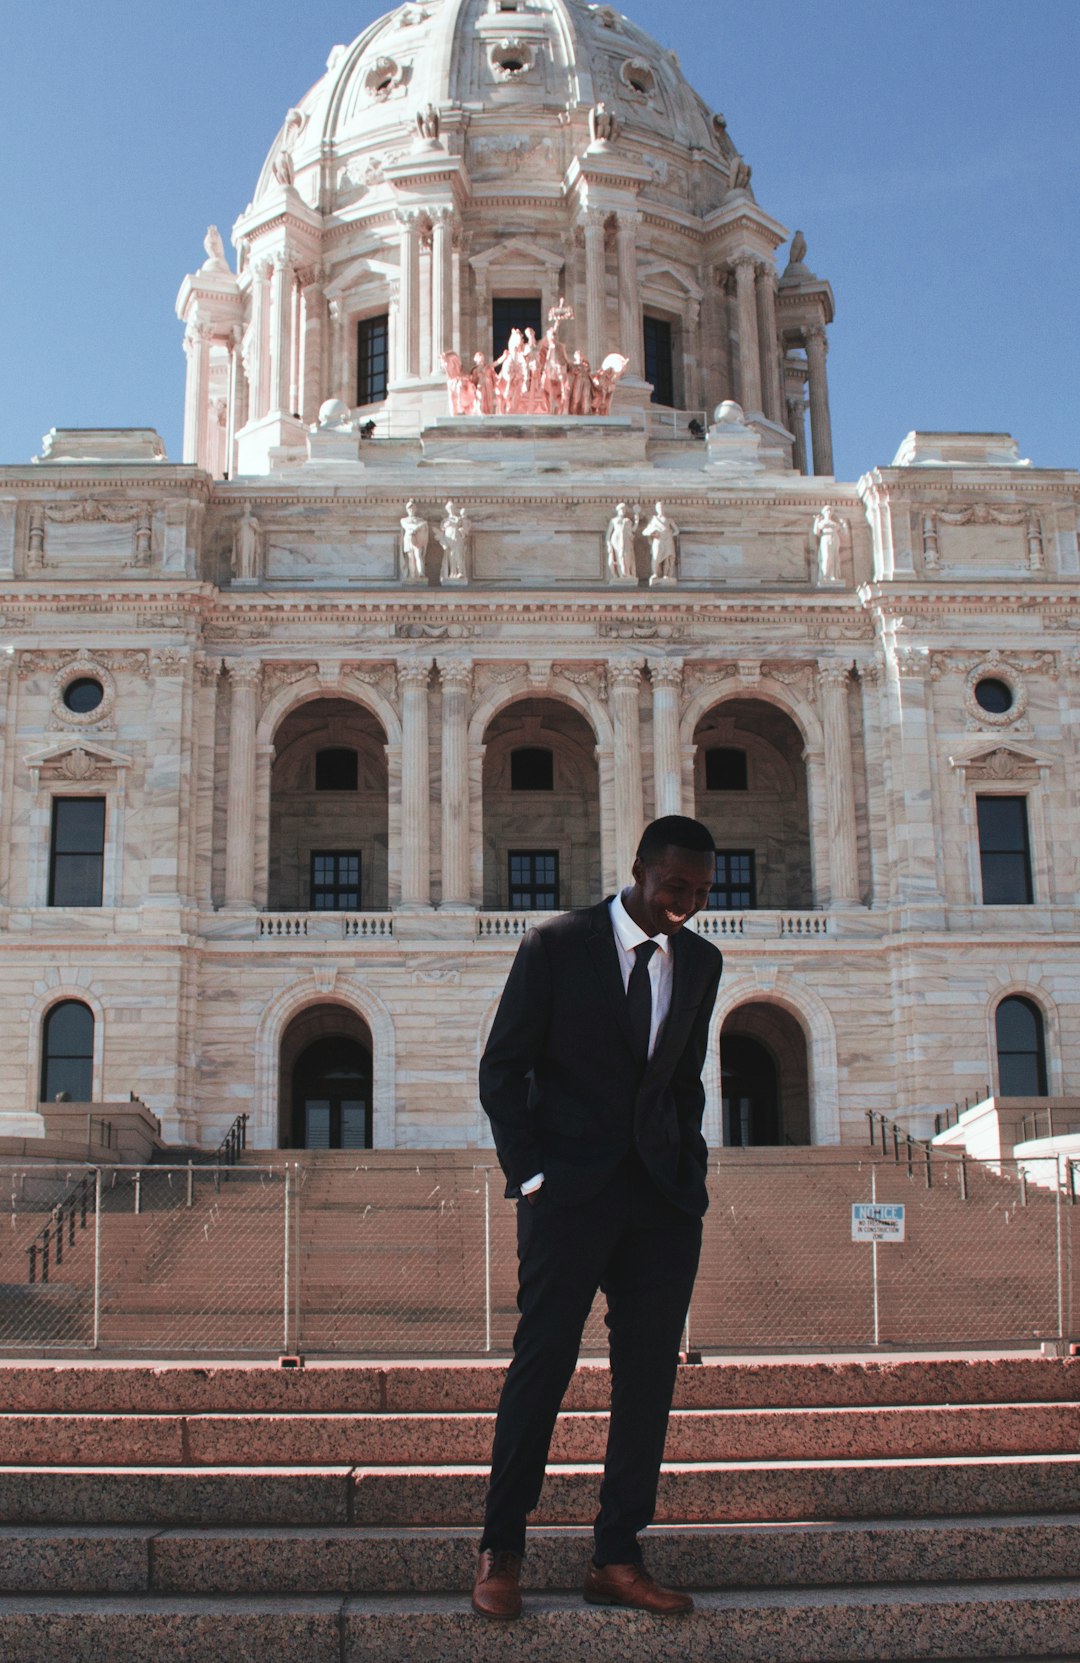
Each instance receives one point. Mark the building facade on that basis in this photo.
(300, 732)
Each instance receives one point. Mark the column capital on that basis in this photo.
(625, 672)
(744, 263)
(455, 672)
(816, 332)
(262, 268)
(408, 218)
(831, 674)
(442, 215)
(666, 672)
(629, 219)
(413, 672)
(594, 219)
(243, 672)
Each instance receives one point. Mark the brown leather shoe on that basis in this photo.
(632, 1585)
(497, 1589)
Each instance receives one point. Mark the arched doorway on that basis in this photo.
(326, 1081)
(329, 810)
(750, 790)
(541, 808)
(765, 1086)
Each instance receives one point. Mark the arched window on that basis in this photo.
(1020, 1049)
(67, 1053)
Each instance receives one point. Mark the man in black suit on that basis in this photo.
(592, 1082)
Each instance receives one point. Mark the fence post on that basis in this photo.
(97, 1258)
(287, 1300)
(1059, 1243)
(191, 1183)
(138, 1189)
(487, 1259)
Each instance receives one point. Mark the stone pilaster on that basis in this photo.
(259, 382)
(314, 326)
(196, 401)
(625, 683)
(237, 401)
(413, 677)
(918, 877)
(749, 346)
(772, 390)
(240, 806)
(796, 421)
(456, 677)
(441, 283)
(833, 683)
(407, 351)
(630, 327)
(595, 285)
(666, 677)
(281, 282)
(820, 420)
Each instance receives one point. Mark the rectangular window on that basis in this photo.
(335, 880)
(735, 889)
(1004, 851)
(372, 358)
(659, 361)
(513, 312)
(77, 863)
(534, 880)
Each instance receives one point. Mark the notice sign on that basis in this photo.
(876, 1221)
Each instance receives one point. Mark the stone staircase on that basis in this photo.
(840, 1510)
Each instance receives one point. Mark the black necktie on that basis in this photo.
(639, 998)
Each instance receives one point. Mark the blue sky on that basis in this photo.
(930, 152)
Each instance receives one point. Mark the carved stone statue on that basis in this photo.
(661, 534)
(246, 547)
(414, 542)
(603, 124)
(510, 386)
(427, 123)
(454, 534)
(483, 376)
(797, 252)
(460, 387)
(215, 248)
(282, 167)
(619, 542)
(580, 386)
(828, 530)
(611, 371)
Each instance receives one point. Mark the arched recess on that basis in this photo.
(63, 990)
(323, 988)
(1046, 1011)
(560, 691)
(279, 709)
(814, 1019)
(325, 1080)
(776, 822)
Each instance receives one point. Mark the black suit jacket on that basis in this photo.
(559, 1079)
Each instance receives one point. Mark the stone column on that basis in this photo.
(833, 682)
(408, 346)
(796, 420)
(280, 331)
(257, 402)
(234, 399)
(196, 401)
(820, 420)
(456, 677)
(311, 375)
(625, 682)
(630, 327)
(667, 760)
(442, 282)
(595, 286)
(240, 806)
(749, 346)
(770, 344)
(413, 675)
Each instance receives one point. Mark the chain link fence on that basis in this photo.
(416, 1256)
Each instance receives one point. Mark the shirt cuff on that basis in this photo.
(532, 1183)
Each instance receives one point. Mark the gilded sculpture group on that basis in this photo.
(533, 377)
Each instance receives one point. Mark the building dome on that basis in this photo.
(470, 167)
(484, 66)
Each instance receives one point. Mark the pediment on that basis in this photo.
(78, 761)
(519, 251)
(667, 277)
(357, 272)
(1001, 762)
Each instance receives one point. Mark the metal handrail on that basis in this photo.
(234, 1141)
(50, 1238)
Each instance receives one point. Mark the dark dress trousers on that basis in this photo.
(619, 1143)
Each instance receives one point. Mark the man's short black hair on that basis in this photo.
(674, 831)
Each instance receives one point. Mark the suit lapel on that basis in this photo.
(600, 939)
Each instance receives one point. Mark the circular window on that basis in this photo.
(993, 695)
(83, 695)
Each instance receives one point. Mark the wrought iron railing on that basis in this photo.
(233, 1143)
(48, 1244)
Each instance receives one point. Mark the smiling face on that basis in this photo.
(672, 888)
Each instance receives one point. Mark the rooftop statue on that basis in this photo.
(603, 124)
(461, 387)
(534, 378)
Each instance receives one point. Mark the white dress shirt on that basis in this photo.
(629, 935)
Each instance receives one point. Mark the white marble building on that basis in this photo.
(275, 803)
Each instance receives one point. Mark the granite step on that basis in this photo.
(446, 1386)
(580, 1435)
(260, 1560)
(890, 1623)
(689, 1492)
